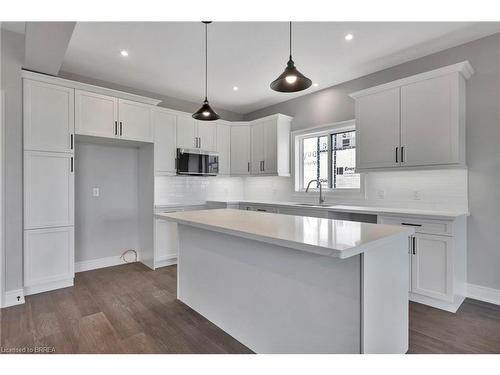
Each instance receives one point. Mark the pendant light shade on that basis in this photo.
(291, 80)
(206, 113)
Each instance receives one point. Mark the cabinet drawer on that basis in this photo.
(420, 225)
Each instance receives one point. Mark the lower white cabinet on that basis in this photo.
(432, 266)
(166, 243)
(437, 260)
(48, 259)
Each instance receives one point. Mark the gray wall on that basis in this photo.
(12, 59)
(106, 225)
(483, 138)
(166, 101)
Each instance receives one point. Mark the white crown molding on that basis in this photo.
(464, 68)
(87, 87)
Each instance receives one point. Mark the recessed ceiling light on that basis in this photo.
(349, 37)
(235, 88)
(315, 84)
(124, 53)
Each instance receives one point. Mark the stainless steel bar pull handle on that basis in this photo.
(71, 141)
(414, 242)
(397, 154)
(121, 129)
(402, 154)
(248, 166)
(116, 127)
(71, 161)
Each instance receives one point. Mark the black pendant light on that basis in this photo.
(206, 113)
(291, 80)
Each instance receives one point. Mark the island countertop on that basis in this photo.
(335, 238)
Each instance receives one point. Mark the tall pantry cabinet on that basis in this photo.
(48, 112)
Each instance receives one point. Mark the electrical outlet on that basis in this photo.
(380, 194)
(416, 195)
(95, 192)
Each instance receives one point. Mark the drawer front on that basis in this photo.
(420, 225)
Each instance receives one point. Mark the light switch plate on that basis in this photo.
(95, 192)
(380, 194)
(416, 195)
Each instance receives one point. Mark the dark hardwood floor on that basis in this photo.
(130, 309)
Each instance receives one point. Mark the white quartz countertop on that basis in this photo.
(336, 238)
(375, 210)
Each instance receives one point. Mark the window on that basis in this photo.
(330, 158)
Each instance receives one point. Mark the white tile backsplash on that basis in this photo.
(443, 189)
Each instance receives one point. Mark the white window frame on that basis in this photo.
(298, 166)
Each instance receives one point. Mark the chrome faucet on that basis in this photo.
(321, 198)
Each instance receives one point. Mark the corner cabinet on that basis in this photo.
(414, 122)
(270, 146)
(240, 149)
(224, 148)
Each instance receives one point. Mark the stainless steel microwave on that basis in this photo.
(197, 162)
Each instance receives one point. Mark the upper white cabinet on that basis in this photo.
(106, 116)
(378, 130)
(240, 149)
(196, 134)
(417, 121)
(164, 128)
(433, 121)
(224, 148)
(270, 146)
(207, 135)
(135, 121)
(48, 112)
(96, 114)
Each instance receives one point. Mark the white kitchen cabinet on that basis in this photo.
(257, 148)
(207, 135)
(48, 259)
(49, 118)
(378, 130)
(96, 114)
(166, 243)
(48, 189)
(432, 272)
(224, 148)
(438, 258)
(432, 121)
(270, 146)
(134, 121)
(165, 143)
(240, 150)
(415, 122)
(186, 132)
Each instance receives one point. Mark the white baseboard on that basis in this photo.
(94, 264)
(167, 261)
(483, 293)
(47, 287)
(13, 297)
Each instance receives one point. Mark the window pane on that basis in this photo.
(344, 161)
(315, 160)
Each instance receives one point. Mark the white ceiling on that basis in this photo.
(167, 57)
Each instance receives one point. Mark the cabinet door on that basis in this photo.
(49, 118)
(48, 190)
(240, 150)
(432, 266)
(270, 135)
(96, 114)
(165, 125)
(49, 255)
(257, 148)
(430, 122)
(135, 121)
(207, 135)
(166, 242)
(186, 132)
(224, 148)
(378, 130)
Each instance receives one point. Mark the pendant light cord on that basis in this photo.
(206, 60)
(290, 40)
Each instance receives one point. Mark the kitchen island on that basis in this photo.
(295, 284)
